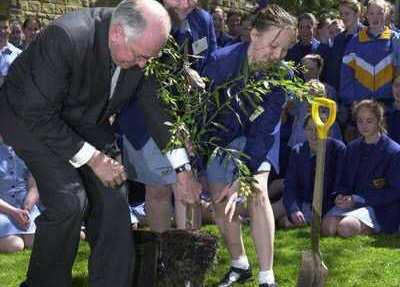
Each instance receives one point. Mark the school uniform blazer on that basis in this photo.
(300, 175)
(59, 88)
(202, 27)
(381, 189)
(223, 39)
(225, 65)
(298, 51)
(393, 124)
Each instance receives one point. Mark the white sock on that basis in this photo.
(266, 277)
(242, 262)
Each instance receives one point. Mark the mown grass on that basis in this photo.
(361, 261)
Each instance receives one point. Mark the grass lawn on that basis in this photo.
(362, 261)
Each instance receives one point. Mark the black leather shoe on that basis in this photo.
(235, 275)
(268, 285)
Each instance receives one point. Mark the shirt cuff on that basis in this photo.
(264, 167)
(83, 155)
(177, 157)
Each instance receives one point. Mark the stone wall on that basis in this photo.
(46, 10)
(228, 4)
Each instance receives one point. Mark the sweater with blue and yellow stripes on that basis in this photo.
(368, 67)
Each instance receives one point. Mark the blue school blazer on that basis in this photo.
(299, 179)
(393, 123)
(201, 27)
(225, 65)
(381, 187)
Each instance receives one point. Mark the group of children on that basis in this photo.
(360, 67)
(352, 203)
(361, 186)
(356, 68)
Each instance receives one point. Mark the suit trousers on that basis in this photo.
(67, 194)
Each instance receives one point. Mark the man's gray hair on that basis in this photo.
(130, 18)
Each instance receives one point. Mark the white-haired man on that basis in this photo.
(55, 106)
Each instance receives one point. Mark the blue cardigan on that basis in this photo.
(226, 64)
(379, 184)
(299, 179)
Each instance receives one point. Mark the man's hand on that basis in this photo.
(297, 218)
(109, 171)
(344, 201)
(21, 217)
(188, 188)
(229, 193)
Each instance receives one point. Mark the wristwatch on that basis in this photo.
(185, 167)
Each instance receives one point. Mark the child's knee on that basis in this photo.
(158, 194)
(329, 226)
(349, 227)
(12, 244)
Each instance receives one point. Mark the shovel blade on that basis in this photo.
(313, 271)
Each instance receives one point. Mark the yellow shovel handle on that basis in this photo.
(323, 126)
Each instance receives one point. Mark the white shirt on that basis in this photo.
(87, 150)
(7, 55)
(177, 157)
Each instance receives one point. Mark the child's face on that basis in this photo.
(335, 28)
(376, 17)
(348, 15)
(367, 123)
(311, 69)
(31, 30)
(323, 32)
(4, 31)
(271, 45)
(306, 30)
(311, 133)
(181, 7)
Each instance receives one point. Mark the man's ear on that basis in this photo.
(254, 34)
(116, 33)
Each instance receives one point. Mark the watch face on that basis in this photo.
(185, 167)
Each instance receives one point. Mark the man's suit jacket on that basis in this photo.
(59, 88)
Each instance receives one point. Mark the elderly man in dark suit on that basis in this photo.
(54, 110)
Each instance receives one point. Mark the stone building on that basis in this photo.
(231, 4)
(47, 10)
